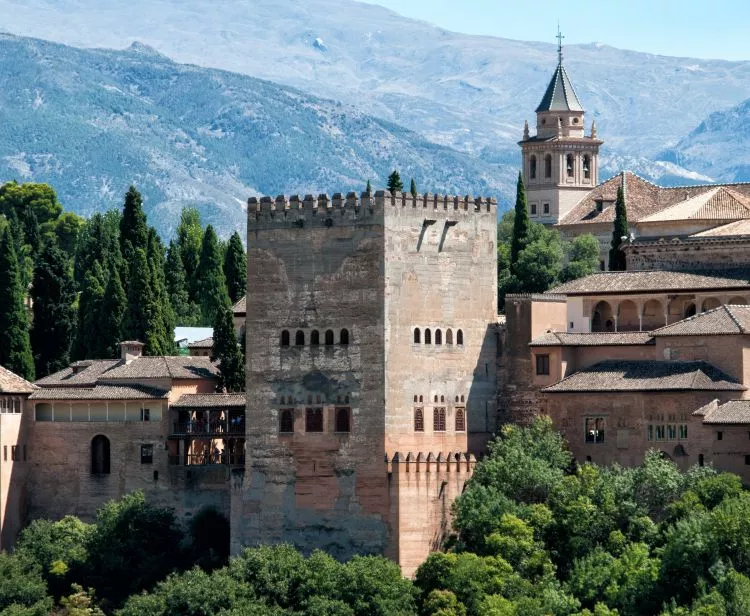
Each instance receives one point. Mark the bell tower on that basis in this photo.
(560, 162)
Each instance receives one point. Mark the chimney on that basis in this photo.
(130, 350)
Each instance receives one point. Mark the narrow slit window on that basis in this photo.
(417, 336)
(299, 338)
(438, 337)
(314, 337)
(286, 421)
(459, 337)
(427, 336)
(329, 337)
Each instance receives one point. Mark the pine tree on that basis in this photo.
(368, 189)
(15, 345)
(520, 222)
(235, 268)
(89, 339)
(227, 351)
(211, 284)
(394, 182)
(162, 320)
(189, 239)
(186, 313)
(140, 297)
(113, 313)
(54, 315)
(620, 230)
(413, 188)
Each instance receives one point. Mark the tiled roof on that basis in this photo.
(718, 203)
(239, 308)
(655, 281)
(647, 375)
(92, 372)
(738, 228)
(596, 339)
(11, 383)
(721, 320)
(206, 343)
(560, 94)
(732, 412)
(205, 401)
(100, 392)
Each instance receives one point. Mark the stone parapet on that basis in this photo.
(431, 462)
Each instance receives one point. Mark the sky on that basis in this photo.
(692, 28)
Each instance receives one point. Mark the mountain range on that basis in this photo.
(469, 94)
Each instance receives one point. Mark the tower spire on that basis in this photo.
(560, 38)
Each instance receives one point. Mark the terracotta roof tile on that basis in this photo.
(176, 367)
(206, 343)
(655, 280)
(100, 392)
(732, 412)
(647, 375)
(206, 401)
(594, 339)
(715, 204)
(721, 320)
(738, 228)
(11, 383)
(240, 307)
(79, 374)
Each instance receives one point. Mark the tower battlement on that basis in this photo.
(323, 210)
(431, 462)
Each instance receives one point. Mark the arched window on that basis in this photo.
(448, 336)
(315, 337)
(342, 420)
(329, 337)
(438, 419)
(417, 336)
(442, 398)
(344, 337)
(285, 338)
(462, 398)
(100, 455)
(418, 420)
(460, 420)
(299, 338)
(286, 421)
(586, 166)
(532, 167)
(569, 165)
(415, 398)
(438, 337)
(548, 166)
(459, 337)
(436, 398)
(427, 336)
(421, 399)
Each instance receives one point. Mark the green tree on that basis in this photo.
(235, 268)
(99, 240)
(32, 234)
(394, 182)
(368, 188)
(413, 188)
(114, 305)
(521, 224)
(15, 344)
(190, 239)
(89, 339)
(22, 586)
(133, 231)
(620, 231)
(54, 315)
(539, 263)
(187, 313)
(211, 283)
(140, 296)
(227, 351)
(39, 198)
(583, 257)
(67, 229)
(160, 333)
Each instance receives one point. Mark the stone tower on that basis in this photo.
(371, 350)
(560, 163)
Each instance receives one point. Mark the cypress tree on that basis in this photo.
(52, 331)
(211, 284)
(140, 297)
(99, 240)
(33, 236)
(616, 256)
(186, 313)
(394, 182)
(413, 188)
(368, 188)
(15, 345)
(89, 337)
(113, 312)
(190, 239)
(520, 222)
(227, 351)
(162, 320)
(235, 268)
(133, 228)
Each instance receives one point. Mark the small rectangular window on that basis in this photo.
(594, 427)
(145, 414)
(660, 432)
(650, 432)
(747, 460)
(542, 364)
(671, 432)
(5, 453)
(545, 208)
(14, 453)
(683, 432)
(533, 209)
(147, 454)
(719, 436)
(314, 420)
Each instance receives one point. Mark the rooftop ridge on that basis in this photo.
(732, 316)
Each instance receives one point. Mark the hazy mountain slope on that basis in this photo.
(92, 121)
(718, 147)
(467, 91)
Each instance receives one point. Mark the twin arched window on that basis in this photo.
(438, 419)
(100, 456)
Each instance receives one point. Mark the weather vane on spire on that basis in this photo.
(559, 37)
